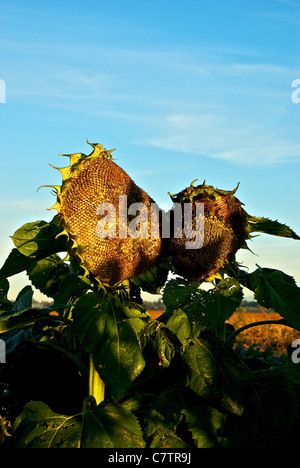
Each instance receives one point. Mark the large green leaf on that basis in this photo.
(216, 372)
(38, 239)
(110, 337)
(106, 426)
(275, 290)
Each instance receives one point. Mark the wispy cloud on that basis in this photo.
(29, 205)
(223, 138)
(231, 109)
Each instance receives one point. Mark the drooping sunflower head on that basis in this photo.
(224, 230)
(93, 203)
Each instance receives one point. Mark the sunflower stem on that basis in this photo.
(96, 384)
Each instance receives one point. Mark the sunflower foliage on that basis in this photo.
(93, 369)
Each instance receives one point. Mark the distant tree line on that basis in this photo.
(154, 305)
(251, 306)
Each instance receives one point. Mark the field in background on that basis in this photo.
(276, 337)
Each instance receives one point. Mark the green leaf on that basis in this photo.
(275, 290)
(178, 410)
(111, 426)
(47, 274)
(205, 424)
(21, 316)
(38, 239)
(4, 287)
(216, 372)
(9, 321)
(165, 413)
(274, 228)
(156, 335)
(23, 300)
(220, 303)
(106, 426)
(5, 304)
(70, 289)
(14, 264)
(210, 308)
(104, 331)
(168, 439)
(177, 293)
(179, 324)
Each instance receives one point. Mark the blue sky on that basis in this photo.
(182, 89)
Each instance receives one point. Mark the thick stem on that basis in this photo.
(96, 384)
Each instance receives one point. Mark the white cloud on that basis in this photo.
(201, 103)
(223, 137)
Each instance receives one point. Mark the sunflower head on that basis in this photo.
(93, 187)
(225, 229)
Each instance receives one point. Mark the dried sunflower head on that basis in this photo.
(96, 190)
(225, 226)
